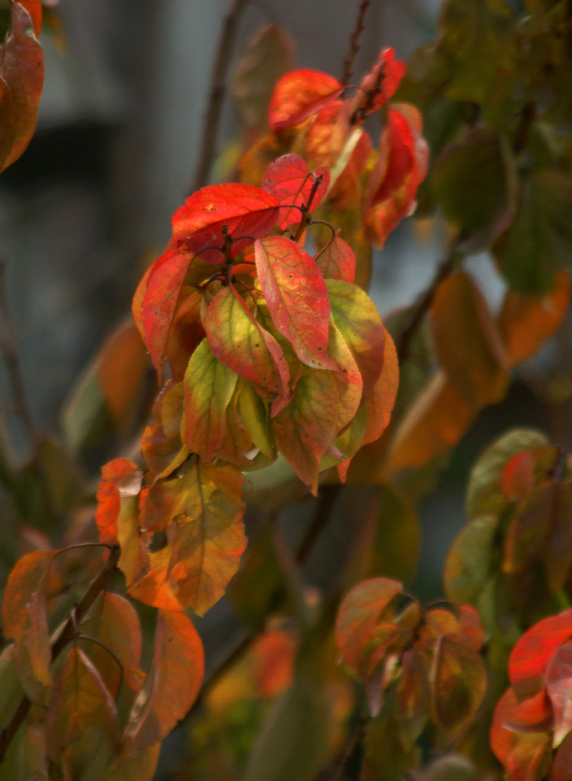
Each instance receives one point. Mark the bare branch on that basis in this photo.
(354, 42)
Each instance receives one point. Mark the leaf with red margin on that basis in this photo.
(337, 260)
(109, 499)
(400, 168)
(209, 386)
(458, 684)
(81, 702)
(324, 403)
(114, 622)
(25, 621)
(383, 80)
(202, 512)
(299, 94)
(291, 181)
(358, 320)
(186, 332)
(558, 682)
(533, 650)
(242, 344)
(245, 210)
(172, 685)
(297, 298)
(527, 321)
(517, 479)
(21, 82)
(358, 616)
(520, 753)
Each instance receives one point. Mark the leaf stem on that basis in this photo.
(207, 147)
(66, 635)
(354, 42)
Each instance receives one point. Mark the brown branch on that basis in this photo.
(348, 752)
(445, 269)
(12, 361)
(67, 634)
(207, 148)
(354, 42)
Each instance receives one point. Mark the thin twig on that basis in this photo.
(207, 147)
(67, 634)
(348, 752)
(354, 42)
(445, 269)
(12, 361)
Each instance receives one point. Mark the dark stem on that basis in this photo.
(350, 747)
(305, 208)
(445, 269)
(207, 147)
(66, 636)
(354, 42)
(12, 361)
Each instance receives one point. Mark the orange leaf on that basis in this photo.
(21, 81)
(358, 616)
(25, 621)
(526, 321)
(467, 342)
(172, 685)
(122, 365)
(297, 298)
(328, 134)
(533, 650)
(382, 400)
(299, 94)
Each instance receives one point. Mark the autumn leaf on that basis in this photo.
(292, 182)
(109, 497)
(300, 94)
(558, 681)
(21, 81)
(172, 684)
(533, 651)
(25, 621)
(379, 84)
(297, 298)
(337, 260)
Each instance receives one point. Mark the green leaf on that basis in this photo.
(469, 559)
(473, 182)
(385, 756)
(539, 240)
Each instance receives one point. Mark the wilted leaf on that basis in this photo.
(21, 82)
(532, 652)
(467, 343)
(297, 298)
(268, 55)
(25, 621)
(172, 683)
(299, 94)
(539, 240)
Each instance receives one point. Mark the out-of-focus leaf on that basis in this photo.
(202, 513)
(562, 767)
(268, 56)
(558, 681)
(21, 81)
(299, 94)
(81, 701)
(380, 83)
(172, 684)
(107, 393)
(458, 684)
(109, 496)
(468, 28)
(526, 321)
(26, 756)
(518, 476)
(467, 343)
(297, 298)
(209, 386)
(25, 621)
(385, 756)
(539, 240)
(469, 559)
(291, 181)
(412, 699)
(140, 767)
(474, 184)
(533, 650)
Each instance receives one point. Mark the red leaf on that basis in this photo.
(562, 766)
(109, 497)
(297, 298)
(172, 684)
(34, 8)
(558, 681)
(244, 210)
(240, 342)
(21, 81)
(300, 94)
(291, 181)
(359, 615)
(337, 260)
(532, 652)
(400, 168)
(381, 82)
(518, 476)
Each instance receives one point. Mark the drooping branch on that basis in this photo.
(207, 148)
(354, 42)
(65, 637)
